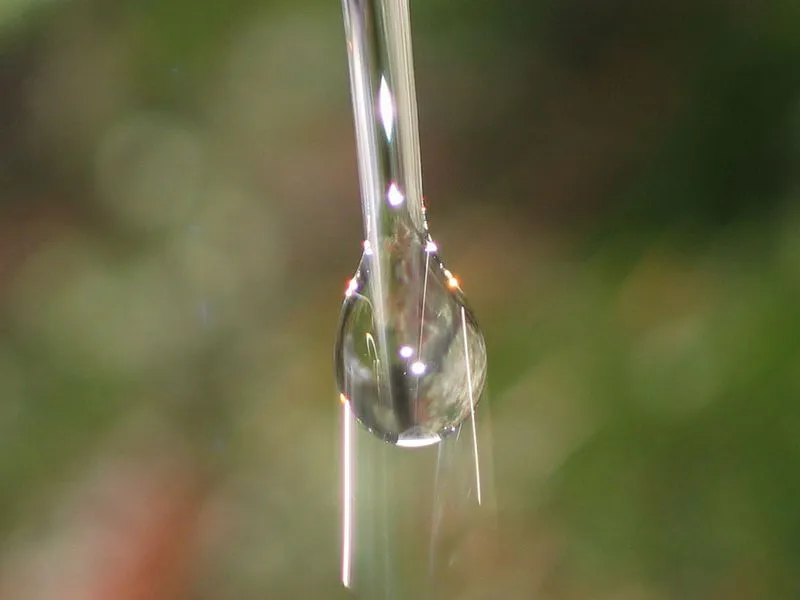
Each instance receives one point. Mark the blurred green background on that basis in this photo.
(614, 182)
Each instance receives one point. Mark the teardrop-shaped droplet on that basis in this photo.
(410, 358)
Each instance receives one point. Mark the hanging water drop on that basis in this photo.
(410, 358)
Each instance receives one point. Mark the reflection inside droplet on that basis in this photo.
(400, 306)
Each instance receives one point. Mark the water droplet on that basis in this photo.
(410, 357)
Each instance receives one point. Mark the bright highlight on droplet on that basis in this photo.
(386, 108)
(395, 196)
(367, 248)
(342, 398)
(352, 286)
(418, 368)
(431, 246)
(418, 442)
(452, 281)
(406, 352)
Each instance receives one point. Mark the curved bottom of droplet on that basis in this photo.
(419, 438)
(415, 437)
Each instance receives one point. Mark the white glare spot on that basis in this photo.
(431, 246)
(406, 352)
(418, 368)
(386, 108)
(418, 442)
(395, 196)
(367, 248)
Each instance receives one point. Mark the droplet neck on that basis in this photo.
(385, 113)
